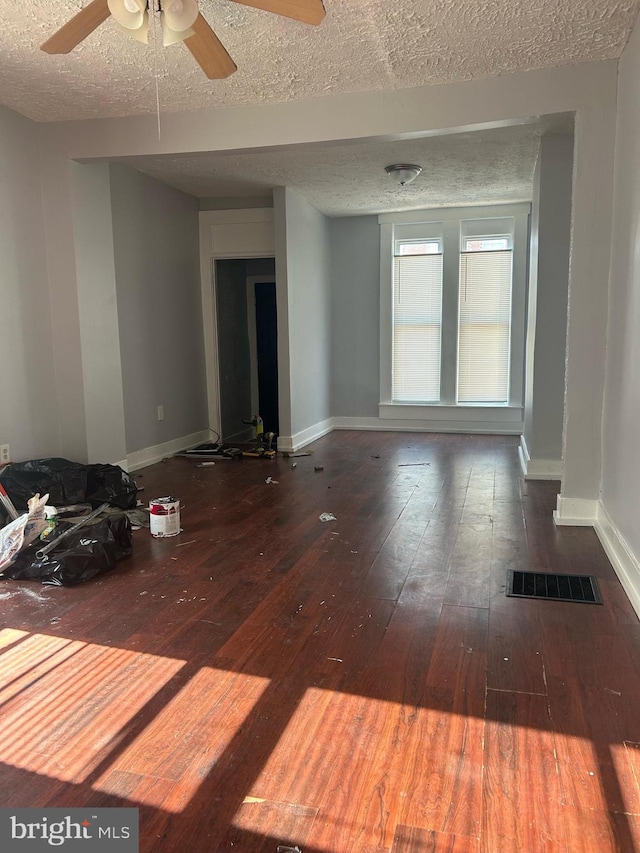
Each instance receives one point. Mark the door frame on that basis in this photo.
(226, 235)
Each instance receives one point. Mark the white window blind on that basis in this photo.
(417, 328)
(484, 326)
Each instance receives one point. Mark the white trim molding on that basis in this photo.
(291, 443)
(625, 563)
(538, 469)
(141, 458)
(427, 425)
(575, 512)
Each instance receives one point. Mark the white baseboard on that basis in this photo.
(575, 512)
(402, 425)
(623, 560)
(291, 443)
(141, 458)
(538, 469)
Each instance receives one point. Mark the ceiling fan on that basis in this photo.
(181, 21)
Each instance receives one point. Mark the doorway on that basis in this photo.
(247, 346)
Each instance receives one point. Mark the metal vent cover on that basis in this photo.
(580, 588)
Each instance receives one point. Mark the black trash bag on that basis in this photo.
(68, 483)
(90, 551)
(110, 484)
(65, 482)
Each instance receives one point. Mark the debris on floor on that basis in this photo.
(271, 480)
(327, 516)
(412, 464)
(89, 551)
(22, 531)
(68, 483)
(317, 468)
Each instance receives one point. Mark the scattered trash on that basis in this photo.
(205, 464)
(412, 464)
(615, 692)
(283, 849)
(82, 555)
(64, 534)
(294, 465)
(271, 480)
(164, 516)
(182, 544)
(12, 512)
(338, 660)
(376, 456)
(68, 483)
(296, 454)
(327, 516)
(317, 468)
(18, 534)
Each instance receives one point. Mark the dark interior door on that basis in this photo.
(267, 352)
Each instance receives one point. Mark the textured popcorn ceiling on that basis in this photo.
(362, 45)
(459, 169)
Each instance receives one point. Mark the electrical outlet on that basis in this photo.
(5, 455)
(160, 413)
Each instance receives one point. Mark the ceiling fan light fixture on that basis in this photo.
(403, 173)
(171, 36)
(179, 15)
(130, 14)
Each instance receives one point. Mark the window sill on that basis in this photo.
(499, 414)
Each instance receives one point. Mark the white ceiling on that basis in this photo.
(362, 45)
(485, 166)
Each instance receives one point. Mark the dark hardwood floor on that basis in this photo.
(348, 687)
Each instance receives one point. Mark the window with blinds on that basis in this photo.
(484, 325)
(417, 322)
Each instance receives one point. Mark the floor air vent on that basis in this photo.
(581, 588)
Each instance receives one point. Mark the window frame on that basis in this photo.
(453, 225)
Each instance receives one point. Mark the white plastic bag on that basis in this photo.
(23, 531)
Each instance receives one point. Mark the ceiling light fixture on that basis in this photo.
(403, 173)
(178, 17)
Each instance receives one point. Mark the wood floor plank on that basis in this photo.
(521, 791)
(411, 839)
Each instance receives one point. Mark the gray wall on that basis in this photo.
(233, 347)
(97, 308)
(28, 405)
(355, 274)
(304, 281)
(621, 448)
(548, 290)
(155, 238)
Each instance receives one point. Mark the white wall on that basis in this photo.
(28, 411)
(547, 313)
(97, 307)
(303, 271)
(621, 424)
(155, 240)
(355, 316)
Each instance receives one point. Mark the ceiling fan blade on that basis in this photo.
(209, 52)
(78, 28)
(307, 11)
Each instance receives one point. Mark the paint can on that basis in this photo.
(164, 516)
